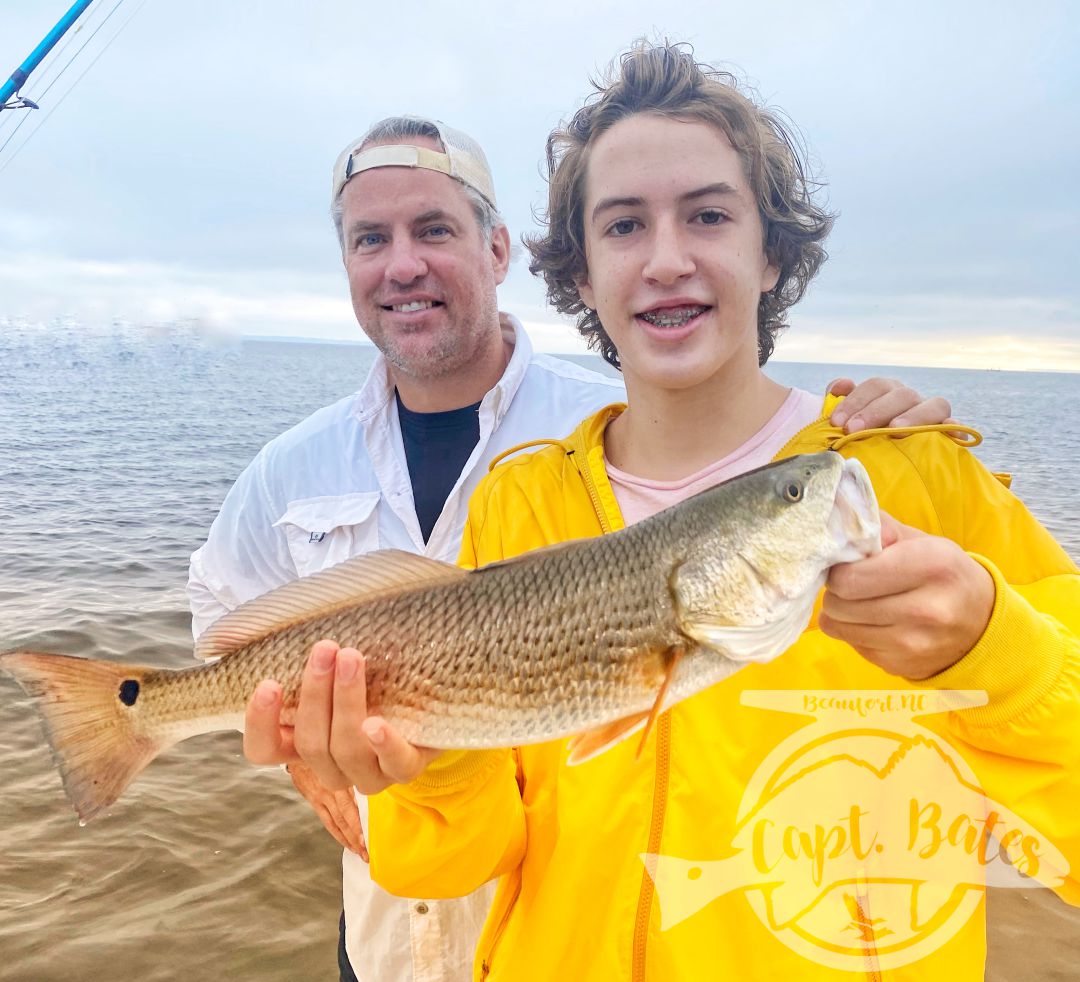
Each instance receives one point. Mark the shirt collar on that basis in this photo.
(497, 400)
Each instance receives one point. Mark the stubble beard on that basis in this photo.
(439, 360)
(430, 358)
(431, 355)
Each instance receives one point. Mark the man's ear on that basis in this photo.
(500, 252)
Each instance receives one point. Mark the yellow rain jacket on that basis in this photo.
(799, 820)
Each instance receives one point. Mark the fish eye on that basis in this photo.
(791, 491)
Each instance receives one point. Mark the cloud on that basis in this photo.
(259, 302)
(1016, 333)
(955, 331)
(1000, 352)
(943, 132)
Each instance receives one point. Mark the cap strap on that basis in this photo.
(397, 156)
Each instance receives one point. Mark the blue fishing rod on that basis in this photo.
(22, 73)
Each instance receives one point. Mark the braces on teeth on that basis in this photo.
(674, 318)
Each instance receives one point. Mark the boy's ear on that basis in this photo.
(585, 291)
(770, 276)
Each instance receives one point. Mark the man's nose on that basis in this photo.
(669, 256)
(405, 262)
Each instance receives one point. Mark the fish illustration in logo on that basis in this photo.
(852, 851)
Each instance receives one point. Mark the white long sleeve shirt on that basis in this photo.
(333, 487)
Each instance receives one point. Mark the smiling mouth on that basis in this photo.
(673, 316)
(412, 306)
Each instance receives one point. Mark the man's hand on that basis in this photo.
(915, 608)
(337, 810)
(880, 402)
(333, 735)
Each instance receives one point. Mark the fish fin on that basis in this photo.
(96, 739)
(672, 660)
(585, 746)
(374, 574)
(535, 555)
(755, 642)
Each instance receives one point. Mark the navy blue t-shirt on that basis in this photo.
(437, 445)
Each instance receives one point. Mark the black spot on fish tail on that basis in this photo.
(99, 746)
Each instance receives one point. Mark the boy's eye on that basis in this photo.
(711, 217)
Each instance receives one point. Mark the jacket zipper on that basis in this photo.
(584, 469)
(862, 905)
(660, 781)
(656, 832)
(660, 787)
(795, 440)
(485, 965)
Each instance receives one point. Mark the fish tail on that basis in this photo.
(98, 741)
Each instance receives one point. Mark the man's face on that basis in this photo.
(421, 276)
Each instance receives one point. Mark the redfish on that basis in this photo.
(588, 639)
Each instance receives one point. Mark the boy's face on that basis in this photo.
(673, 242)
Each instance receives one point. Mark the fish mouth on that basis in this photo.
(854, 523)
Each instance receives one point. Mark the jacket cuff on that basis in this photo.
(452, 769)
(1016, 662)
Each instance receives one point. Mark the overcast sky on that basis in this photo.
(186, 176)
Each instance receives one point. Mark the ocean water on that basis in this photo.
(116, 448)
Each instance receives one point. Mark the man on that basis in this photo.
(394, 465)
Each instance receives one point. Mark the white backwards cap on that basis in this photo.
(462, 160)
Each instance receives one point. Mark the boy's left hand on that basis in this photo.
(915, 608)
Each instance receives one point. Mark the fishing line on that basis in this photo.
(39, 78)
(42, 73)
(15, 153)
(80, 51)
(27, 115)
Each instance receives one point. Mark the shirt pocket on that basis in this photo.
(323, 532)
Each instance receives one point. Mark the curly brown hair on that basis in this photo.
(663, 78)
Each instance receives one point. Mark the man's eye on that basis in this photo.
(368, 241)
(624, 226)
(437, 232)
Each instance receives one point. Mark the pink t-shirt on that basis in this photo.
(639, 498)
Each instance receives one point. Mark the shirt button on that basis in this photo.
(421, 908)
